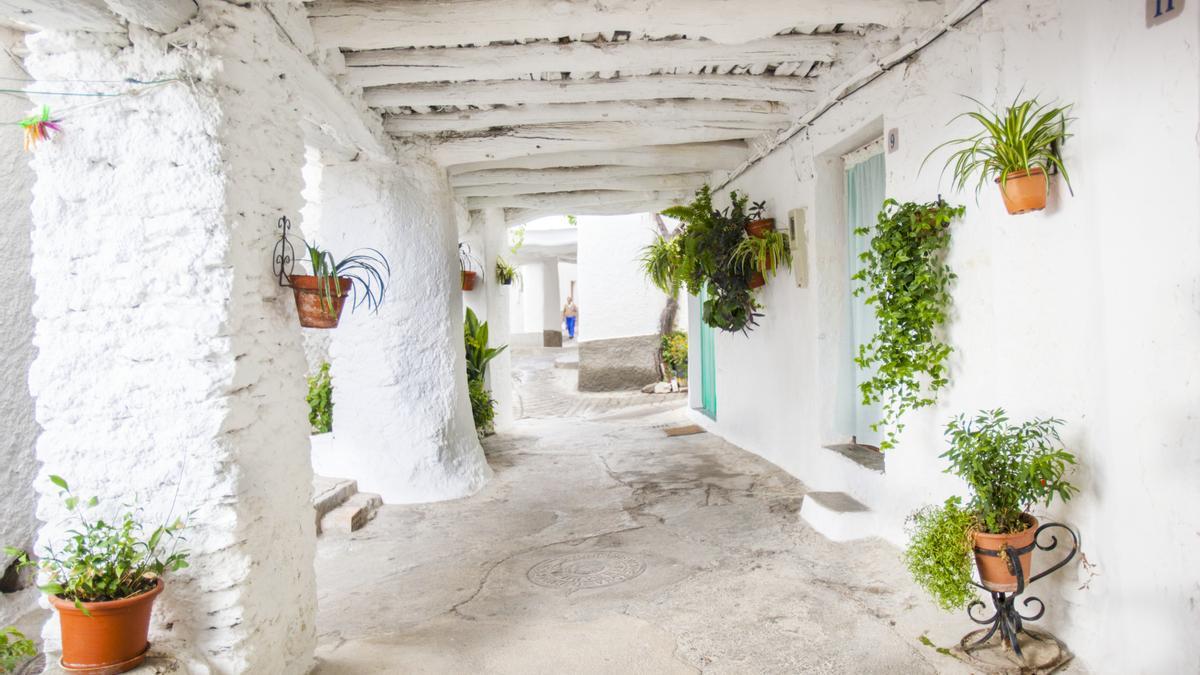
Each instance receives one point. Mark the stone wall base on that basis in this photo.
(618, 363)
(551, 338)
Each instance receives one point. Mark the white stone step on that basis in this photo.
(838, 516)
(352, 516)
(330, 493)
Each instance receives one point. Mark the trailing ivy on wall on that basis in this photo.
(906, 281)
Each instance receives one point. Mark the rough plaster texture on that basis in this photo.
(733, 580)
(402, 419)
(495, 239)
(170, 373)
(618, 363)
(614, 295)
(1086, 311)
(17, 464)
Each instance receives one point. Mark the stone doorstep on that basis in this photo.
(353, 515)
(329, 494)
(838, 516)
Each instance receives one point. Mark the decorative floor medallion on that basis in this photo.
(592, 569)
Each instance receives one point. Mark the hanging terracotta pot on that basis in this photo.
(760, 228)
(311, 302)
(468, 280)
(1024, 191)
(994, 571)
(112, 640)
(757, 280)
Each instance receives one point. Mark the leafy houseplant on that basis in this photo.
(1007, 468)
(758, 225)
(320, 401)
(1017, 148)
(906, 281)
(14, 649)
(506, 274)
(762, 256)
(465, 262)
(675, 354)
(320, 295)
(103, 582)
(479, 355)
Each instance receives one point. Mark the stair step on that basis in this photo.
(838, 516)
(330, 493)
(352, 516)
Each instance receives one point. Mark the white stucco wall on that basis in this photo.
(170, 372)
(1086, 311)
(615, 299)
(17, 464)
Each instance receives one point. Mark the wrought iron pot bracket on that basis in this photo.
(284, 256)
(1007, 618)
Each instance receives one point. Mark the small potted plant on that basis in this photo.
(321, 295)
(1007, 468)
(465, 262)
(103, 582)
(506, 274)
(1017, 148)
(759, 226)
(761, 256)
(15, 649)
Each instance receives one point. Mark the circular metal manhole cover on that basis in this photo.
(593, 569)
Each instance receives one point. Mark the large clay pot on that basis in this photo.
(993, 569)
(468, 280)
(112, 640)
(760, 228)
(310, 300)
(1024, 191)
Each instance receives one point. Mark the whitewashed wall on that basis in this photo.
(615, 300)
(1087, 311)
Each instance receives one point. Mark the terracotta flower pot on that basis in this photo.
(760, 228)
(757, 280)
(468, 280)
(112, 640)
(1024, 191)
(994, 571)
(310, 301)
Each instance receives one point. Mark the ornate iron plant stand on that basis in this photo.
(1007, 618)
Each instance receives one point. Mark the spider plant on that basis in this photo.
(1025, 136)
(467, 261)
(660, 263)
(762, 254)
(367, 269)
(505, 273)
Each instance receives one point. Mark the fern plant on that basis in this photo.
(907, 282)
(320, 401)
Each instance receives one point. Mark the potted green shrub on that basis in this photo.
(320, 400)
(1017, 148)
(321, 295)
(479, 355)
(506, 274)
(762, 255)
(1008, 468)
(15, 649)
(103, 582)
(466, 262)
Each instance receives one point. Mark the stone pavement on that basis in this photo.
(602, 546)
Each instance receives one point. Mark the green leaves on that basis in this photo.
(674, 349)
(764, 255)
(907, 282)
(1008, 467)
(939, 553)
(367, 269)
(57, 480)
(505, 273)
(320, 401)
(15, 648)
(479, 355)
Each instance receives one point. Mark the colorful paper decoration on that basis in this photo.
(37, 128)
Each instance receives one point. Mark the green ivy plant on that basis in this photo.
(906, 281)
(320, 401)
(15, 648)
(939, 553)
(102, 561)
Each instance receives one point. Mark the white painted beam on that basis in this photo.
(500, 62)
(520, 216)
(521, 141)
(756, 113)
(569, 202)
(569, 176)
(383, 24)
(71, 15)
(164, 16)
(680, 181)
(694, 156)
(792, 90)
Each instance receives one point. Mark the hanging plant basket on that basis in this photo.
(1024, 191)
(759, 228)
(468, 280)
(112, 639)
(312, 305)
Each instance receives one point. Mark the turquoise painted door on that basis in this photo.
(865, 186)
(708, 367)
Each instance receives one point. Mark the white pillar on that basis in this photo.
(169, 372)
(495, 243)
(402, 424)
(551, 305)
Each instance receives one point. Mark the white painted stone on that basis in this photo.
(614, 296)
(500, 370)
(169, 371)
(402, 419)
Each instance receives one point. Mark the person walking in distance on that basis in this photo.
(570, 315)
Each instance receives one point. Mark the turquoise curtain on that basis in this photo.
(865, 185)
(708, 366)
